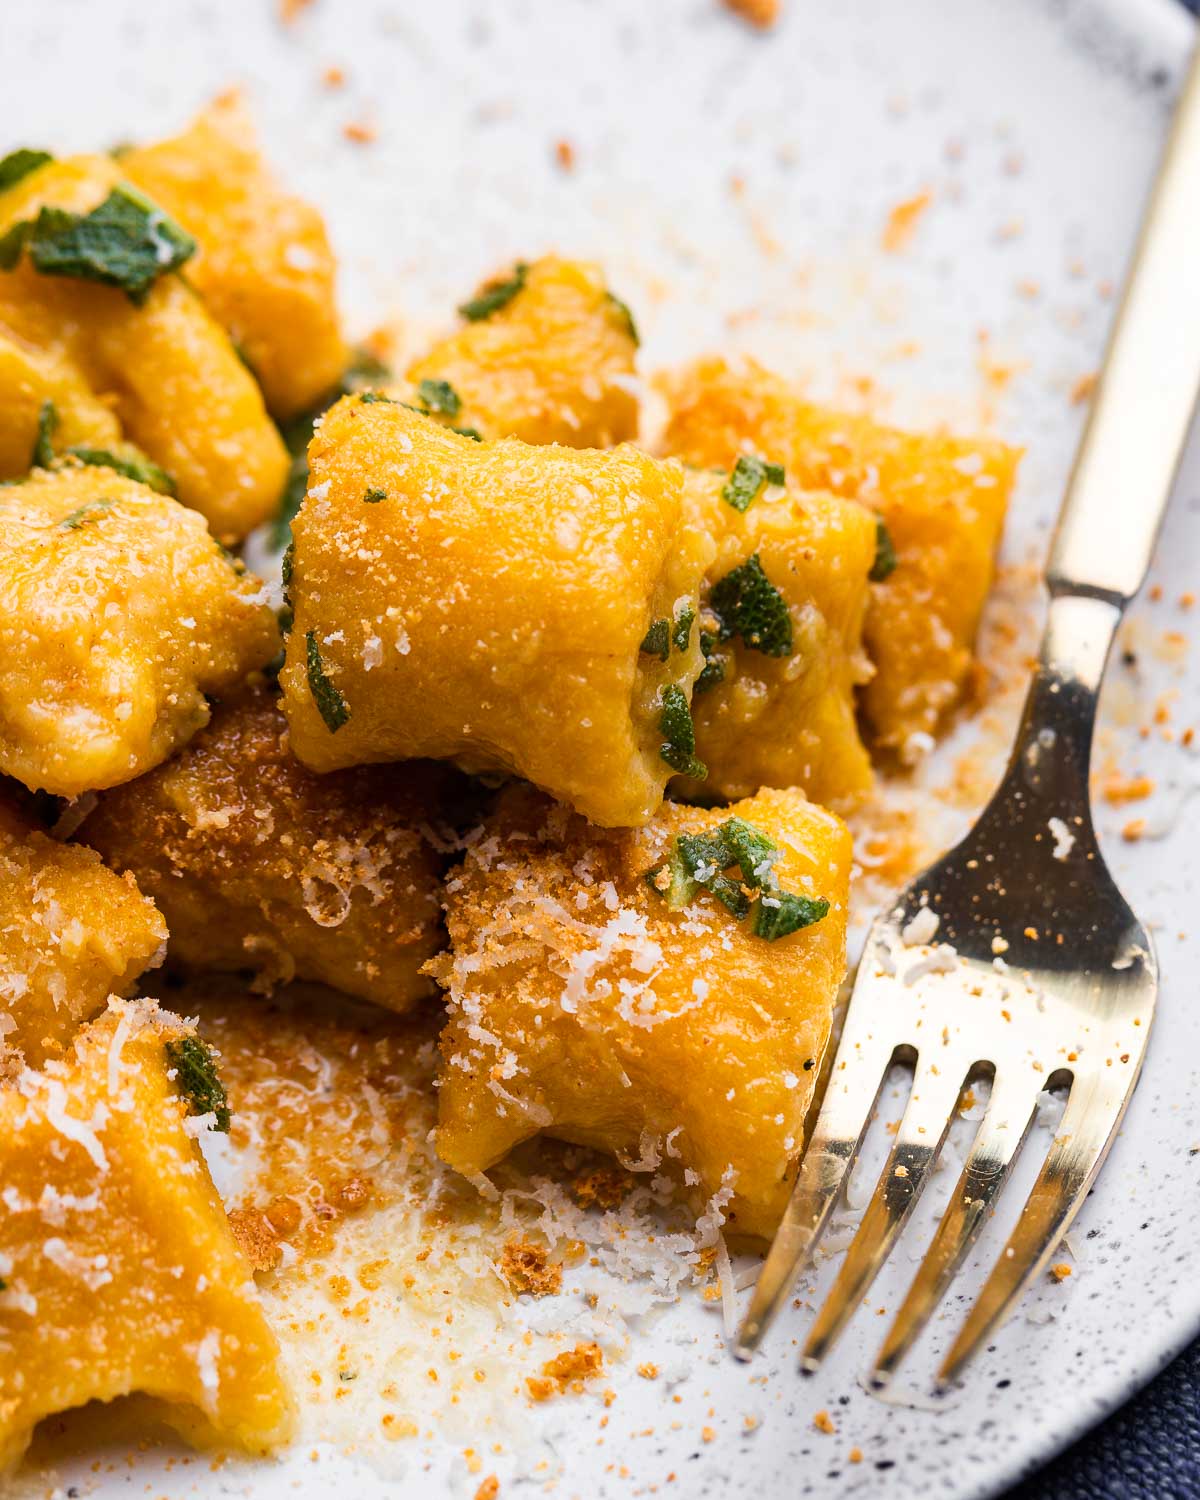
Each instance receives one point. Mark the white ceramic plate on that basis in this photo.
(736, 186)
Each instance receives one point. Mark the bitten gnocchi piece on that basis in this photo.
(118, 1270)
(118, 613)
(660, 993)
(493, 604)
(545, 354)
(71, 934)
(942, 500)
(259, 864)
(264, 266)
(86, 279)
(783, 652)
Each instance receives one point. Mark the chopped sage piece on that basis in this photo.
(330, 703)
(494, 295)
(885, 554)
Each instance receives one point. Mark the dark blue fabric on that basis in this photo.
(1150, 1449)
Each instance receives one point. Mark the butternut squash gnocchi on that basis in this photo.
(781, 623)
(545, 354)
(71, 934)
(493, 604)
(118, 613)
(118, 1270)
(264, 266)
(942, 501)
(87, 278)
(621, 989)
(258, 864)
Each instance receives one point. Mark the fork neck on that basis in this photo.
(1054, 742)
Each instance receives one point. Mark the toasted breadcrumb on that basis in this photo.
(359, 132)
(1082, 390)
(527, 1268)
(603, 1187)
(489, 1489)
(855, 1456)
(1116, 788)
(902, 221)
(760, 13)
(823, 1422)
(333, 77)
(289, 10)
(256, 1239)
(1060, 1270)
(566, 1371)
(564, 155)
(648, 1371)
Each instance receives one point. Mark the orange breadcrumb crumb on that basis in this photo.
(256, 1238)
(564, 155)
(333, 77)
(855, 1456)
(1082, 390)
(1060, 1270)
(1133, 830)
(648, 1371)
(489, 1489)
(823, 1422)
(527, 1268)
(603, 1187)
(903, 220)
(290, 9)
(1117, 788)
(760, 13)
(566, 1371)
(359, 132)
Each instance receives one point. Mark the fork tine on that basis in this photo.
(935, 1093)
(1001, 1133)
(1089, 1123)
(856, 1078)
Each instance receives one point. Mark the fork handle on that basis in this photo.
(1144, 401)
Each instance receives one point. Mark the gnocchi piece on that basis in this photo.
(264, 268)
(259, 864)
(169, 370)
(545, 354)
(71, 934)
(601, 991)
(118, 613)
(942, 499)
(29, 378)
(487, 603)
(775, 705)
(118, 1269)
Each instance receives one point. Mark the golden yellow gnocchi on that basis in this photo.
(118, 1270)
(545, 354)
(85, 279)
(493, 604)
(258, 864)
(942, 499)
(118, 613)
(264, 267)
(781, 621)
(71, 934)
(663, 993)
(32, 379)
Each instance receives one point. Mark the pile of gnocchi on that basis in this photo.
(530, 720)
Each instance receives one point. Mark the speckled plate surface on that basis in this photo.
(737, 185)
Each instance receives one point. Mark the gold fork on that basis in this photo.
(1016, 952)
